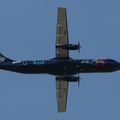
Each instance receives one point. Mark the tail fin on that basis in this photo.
(4, 59)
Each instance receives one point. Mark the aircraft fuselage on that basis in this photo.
(62, 66)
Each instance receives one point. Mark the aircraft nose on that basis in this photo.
(118, 66)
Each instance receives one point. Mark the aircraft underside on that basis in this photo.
(62, 66)
(71, 67)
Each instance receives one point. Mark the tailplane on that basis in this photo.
(4, 59)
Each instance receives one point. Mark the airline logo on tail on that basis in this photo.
(2, 59)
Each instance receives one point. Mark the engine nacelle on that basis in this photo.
(69, 78)
(69, 46)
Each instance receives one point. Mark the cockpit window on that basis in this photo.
(106, 60)
(110, 60)
(102, 61)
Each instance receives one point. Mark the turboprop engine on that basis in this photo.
(69, 46)
(68, 78)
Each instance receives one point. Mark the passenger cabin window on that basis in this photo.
(24, 62)
(89, 61)
(38, 62)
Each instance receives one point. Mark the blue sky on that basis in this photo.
(27, 31)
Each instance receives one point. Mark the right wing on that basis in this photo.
(62, 33)
(61, 38)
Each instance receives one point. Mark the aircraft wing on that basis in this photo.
(62, 33)
(61, 38)
(61, 92)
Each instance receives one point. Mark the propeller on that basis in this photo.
(79, 46)
(78, 80)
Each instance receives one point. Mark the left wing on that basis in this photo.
(61, 92)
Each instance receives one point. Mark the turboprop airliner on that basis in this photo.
(62, 66)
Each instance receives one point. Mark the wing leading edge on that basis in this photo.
(61, 38)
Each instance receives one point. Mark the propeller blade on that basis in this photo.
(79, 46)
(78, 80)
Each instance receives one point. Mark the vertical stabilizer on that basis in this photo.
(4, 59)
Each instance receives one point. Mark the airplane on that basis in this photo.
(62, 66)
